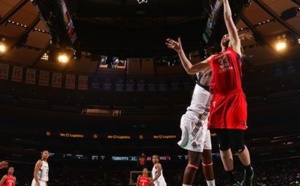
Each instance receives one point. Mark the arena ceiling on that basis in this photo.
(127, 28)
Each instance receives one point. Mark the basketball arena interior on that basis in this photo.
(119, 92)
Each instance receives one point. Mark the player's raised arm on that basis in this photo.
(235, 41)
(187, 65)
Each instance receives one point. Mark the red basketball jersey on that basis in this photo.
(228, 108)
(144, 181)
(10, 181)
(226, 72)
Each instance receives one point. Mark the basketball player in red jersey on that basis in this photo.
(228, 107)
(9, 179)
(144, 179)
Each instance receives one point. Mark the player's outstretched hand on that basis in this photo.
(3, 164)
(245, 36)
(175, 45)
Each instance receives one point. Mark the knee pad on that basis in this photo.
(238, 148)
(224, 146)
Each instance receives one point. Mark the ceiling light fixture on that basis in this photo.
(280, 46)
(281, 43)
(2, 45)
(142, 1)
(45, 57)
(63, 58)
(2, 48)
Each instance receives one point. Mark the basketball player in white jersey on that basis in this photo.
(41, 170)
(157, 172)
(195, 136)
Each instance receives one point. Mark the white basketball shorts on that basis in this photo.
(195, 136)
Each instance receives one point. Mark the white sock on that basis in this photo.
(210, 182)
(185, 185)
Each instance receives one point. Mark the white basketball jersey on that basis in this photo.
(43, 172)
(161, 179)
(200, 100)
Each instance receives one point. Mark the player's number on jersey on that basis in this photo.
(223, 61)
